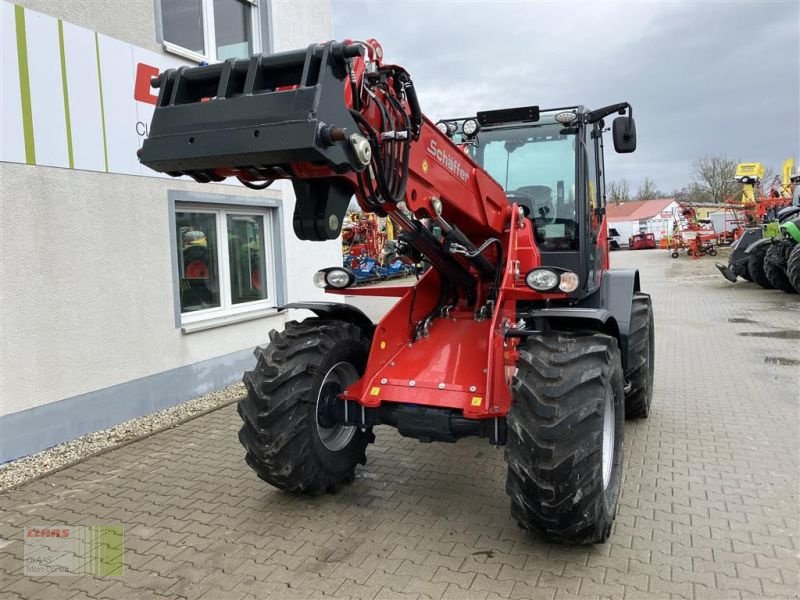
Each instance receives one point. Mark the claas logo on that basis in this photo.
(142, 91)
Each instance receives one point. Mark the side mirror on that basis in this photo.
(623, 130)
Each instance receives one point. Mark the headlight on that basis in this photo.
(566, 117)
(447, 127)
(337, 278)
(541, 279)
(470, 127)
(334, 277)
(569, 282)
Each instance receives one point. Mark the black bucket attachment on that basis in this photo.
(254, 115)
(727, 272)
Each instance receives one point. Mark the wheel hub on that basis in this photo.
(334, 435)
(326, 407)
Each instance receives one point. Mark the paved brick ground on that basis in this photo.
(709, 503)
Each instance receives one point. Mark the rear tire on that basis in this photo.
(641, 358)
(287, 446)
(565, 433)
(774, 265)
(793, 268)
(755, 267)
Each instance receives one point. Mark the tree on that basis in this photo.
(691, 194)
(714, 176)
(770, 180)
(648, 190)
(618, 191)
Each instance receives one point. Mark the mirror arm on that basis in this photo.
(596, 115)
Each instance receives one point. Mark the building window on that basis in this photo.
(225, 261)
(210, 30)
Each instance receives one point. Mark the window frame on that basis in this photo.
(210, 32)
(221, 205)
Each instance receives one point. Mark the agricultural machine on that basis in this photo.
(697, 238)
(368, 252)
(362, 235)
(519, 332)
(766, 253)
(642, 241)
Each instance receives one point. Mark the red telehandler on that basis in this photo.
(519, 332)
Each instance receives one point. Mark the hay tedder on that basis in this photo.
(691, 235)
(519, 333)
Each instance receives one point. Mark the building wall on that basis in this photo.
(88, 332)
(627, 228)
(298, 24)
(131, 21)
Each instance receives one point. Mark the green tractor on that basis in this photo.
(782, 258)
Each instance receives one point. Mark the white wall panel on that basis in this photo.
(12, 140)
(47, 98)
(84, 98)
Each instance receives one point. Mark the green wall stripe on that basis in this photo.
(65, 89)
(24, 85)
(102, 105)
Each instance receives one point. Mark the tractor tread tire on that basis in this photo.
(641, 358)
(774, 266)
(555, 436)
(793, 268)
(279, 413)
(755, 268)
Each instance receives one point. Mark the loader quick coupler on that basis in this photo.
(260, 115)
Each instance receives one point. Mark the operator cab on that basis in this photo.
(550, 163)
(535, 164)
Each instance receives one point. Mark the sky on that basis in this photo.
(704, 77)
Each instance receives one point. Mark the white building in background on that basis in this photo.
(123, 291)
(646, 216)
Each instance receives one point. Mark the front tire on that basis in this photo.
(793, 268)
(290, 440)
(641, 358)
(755, 267)
(774, 265)
(565, 434)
